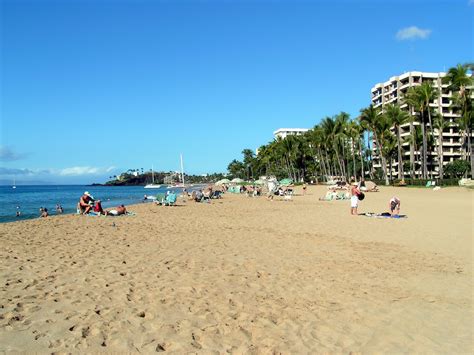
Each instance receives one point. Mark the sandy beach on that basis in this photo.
(245, 275)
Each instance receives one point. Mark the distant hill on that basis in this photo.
(127, 179)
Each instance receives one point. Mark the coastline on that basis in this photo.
(28, 198)
(245, 275)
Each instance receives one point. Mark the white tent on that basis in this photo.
(237, 180)
(223, 181)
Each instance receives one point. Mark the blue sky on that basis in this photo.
(93, 88)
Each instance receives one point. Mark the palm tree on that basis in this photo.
(330, 130)
(459, 83)
(360, 140)
(419, 98)
(427, 93)
(389, 149)
(385, 138)
(440, 124)
(369, 118)
(354, 132)
(248, 162)
(340, 133)
(316, 139)
(410, 99)
(398, 117)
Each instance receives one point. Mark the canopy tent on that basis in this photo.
(222, 182)
(234, 189)
(286, 182)
(237, 180)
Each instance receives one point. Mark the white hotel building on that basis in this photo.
(284, 132)
(392, 91)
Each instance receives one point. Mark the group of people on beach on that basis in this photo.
(357, 195)
(355, 192)
(88, 204)
(206, 194)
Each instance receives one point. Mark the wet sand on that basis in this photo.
(245, 275)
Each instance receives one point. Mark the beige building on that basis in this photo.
(392, 92)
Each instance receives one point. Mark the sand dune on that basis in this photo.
(244, 275)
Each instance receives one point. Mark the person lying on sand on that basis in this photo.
(330, 195)
(394, 205)
(117, 211)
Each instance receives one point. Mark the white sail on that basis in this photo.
(152, 185)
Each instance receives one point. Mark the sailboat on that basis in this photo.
(152, 185)
(179, 184)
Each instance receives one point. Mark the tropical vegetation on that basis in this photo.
(353, 147)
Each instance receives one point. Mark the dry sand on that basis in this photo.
(245, 275)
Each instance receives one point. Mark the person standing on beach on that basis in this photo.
(355, 192)
(304, 188)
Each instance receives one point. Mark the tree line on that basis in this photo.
(339, 145)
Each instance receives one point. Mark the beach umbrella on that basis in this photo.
(286, 182)
(237, 180)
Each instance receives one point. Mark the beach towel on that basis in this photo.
(120, 215)
(383, 215)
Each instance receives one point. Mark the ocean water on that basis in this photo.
(29, 198)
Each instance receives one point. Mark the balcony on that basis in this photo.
(404, 86)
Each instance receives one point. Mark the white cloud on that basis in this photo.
(84, 170)
(412, 33)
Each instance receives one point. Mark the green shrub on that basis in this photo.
(457, 168)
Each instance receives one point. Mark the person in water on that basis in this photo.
(44, 213)
(86, 203)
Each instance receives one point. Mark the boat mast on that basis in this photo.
(182, 170)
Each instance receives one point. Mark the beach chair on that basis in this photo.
(160, 199)
(341, 195)
(170, 200)
(371, 186)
